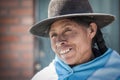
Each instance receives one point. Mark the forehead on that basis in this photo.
(62, 22)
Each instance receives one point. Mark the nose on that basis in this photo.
(61, 40)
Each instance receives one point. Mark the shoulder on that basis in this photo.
(114, 58)
(48, 73)
(111, 70)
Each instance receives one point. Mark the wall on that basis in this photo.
(16, 43)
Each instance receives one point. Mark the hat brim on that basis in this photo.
(40, 28)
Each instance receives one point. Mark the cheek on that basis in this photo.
(53, 45)
(82, 43)
(71, 36)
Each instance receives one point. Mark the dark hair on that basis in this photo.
(98, 41)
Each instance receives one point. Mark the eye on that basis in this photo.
(68, 30)
(53, 35)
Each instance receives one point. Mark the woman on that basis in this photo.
(72, 41)
(76, 39)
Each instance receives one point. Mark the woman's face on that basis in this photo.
(71, 41)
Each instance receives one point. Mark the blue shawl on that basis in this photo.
(104, 67)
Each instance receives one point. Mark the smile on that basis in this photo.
(65, 51)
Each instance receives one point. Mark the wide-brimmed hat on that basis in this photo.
(59, 9)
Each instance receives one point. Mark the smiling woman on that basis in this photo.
(71, 41)
(77, 41)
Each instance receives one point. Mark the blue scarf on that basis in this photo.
(82, 71)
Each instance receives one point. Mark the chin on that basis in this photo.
(69, 62)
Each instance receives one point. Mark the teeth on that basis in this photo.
(64, 51)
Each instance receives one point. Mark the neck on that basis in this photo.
(91, 58)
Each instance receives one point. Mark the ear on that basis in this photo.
(92, 30)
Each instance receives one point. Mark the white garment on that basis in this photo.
(48, 73)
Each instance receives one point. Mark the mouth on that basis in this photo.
(65, 51)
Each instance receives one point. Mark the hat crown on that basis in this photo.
(64, 7)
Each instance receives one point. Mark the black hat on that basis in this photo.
(66, 9)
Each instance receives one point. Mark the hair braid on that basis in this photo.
(100, 41)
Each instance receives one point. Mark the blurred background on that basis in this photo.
(16, 43)
(21, 54)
